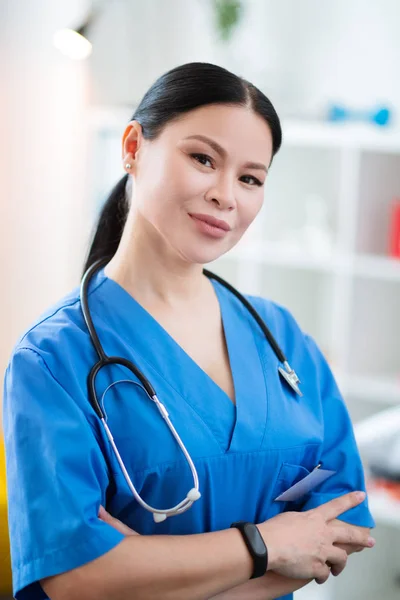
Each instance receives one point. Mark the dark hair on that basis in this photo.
(178, 91)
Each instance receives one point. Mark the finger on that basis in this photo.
(337, 506)
(337, 569)
(102, 512)
(118, 525)
(353, 536)
(349, 548)
(337, 560)
(323, 575)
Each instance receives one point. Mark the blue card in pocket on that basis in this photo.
(305, 485)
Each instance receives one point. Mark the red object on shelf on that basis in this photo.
(394, 235)
(392, 488)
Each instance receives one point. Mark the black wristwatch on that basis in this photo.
(256, 546)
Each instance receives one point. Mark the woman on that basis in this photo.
(196, 154)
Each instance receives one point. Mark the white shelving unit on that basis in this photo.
(363, 285)
(348, 299)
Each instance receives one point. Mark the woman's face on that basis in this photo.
(212, 162)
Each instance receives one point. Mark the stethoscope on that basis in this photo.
(160, 515)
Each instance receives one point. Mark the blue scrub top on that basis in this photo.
(60, 466)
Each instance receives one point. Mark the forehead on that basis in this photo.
(239, 130)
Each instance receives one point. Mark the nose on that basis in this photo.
(222, 194)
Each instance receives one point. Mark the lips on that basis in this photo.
(212, 221)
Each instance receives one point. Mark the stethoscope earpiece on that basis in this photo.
(193, 495)
(159, 517)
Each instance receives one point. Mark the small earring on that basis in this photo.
(128, 166)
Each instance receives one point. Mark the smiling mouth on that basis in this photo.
(213, 221)
(210, 229)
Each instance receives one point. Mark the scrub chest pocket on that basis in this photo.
(234, 486)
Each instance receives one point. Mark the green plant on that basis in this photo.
(228, 14)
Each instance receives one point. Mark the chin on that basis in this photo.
(203, 257)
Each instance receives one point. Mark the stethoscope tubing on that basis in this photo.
(104, 360)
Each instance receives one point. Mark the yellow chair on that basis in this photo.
(5, 566)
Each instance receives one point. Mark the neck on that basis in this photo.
(151, 271)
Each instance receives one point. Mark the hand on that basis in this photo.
(118, 525)
(306, 544)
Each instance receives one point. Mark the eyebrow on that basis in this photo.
(222, 152)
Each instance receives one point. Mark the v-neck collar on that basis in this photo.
(242, 423)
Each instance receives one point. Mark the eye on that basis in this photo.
(257, 182)
(201, 157)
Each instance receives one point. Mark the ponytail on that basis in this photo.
(110, 225)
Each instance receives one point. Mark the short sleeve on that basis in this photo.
(56, 478)
(339, 450)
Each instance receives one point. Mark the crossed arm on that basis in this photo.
(271, 585)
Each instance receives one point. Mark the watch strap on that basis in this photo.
(255, 545)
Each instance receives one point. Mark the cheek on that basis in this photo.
(188, 182)
(154, 188)
(248, 209)
(174, 181)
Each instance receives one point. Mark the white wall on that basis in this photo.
(301, 53)
(136, 41)
(42, 203)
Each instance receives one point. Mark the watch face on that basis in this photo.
(256, 539)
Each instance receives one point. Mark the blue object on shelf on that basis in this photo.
(380, 116)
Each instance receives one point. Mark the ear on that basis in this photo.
(131, 141)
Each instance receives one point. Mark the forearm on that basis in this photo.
(159, 567)
(273, 585)
(270, 586)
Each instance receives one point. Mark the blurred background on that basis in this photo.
(327, 243)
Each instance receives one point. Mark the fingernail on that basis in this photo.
(371, 542)
(360, 495)
(101, 511)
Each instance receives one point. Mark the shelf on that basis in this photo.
(377, 267)
(374, 389)
(296, 132)
(377, 427)
(275, 254)
(384, 509)
(340, 135)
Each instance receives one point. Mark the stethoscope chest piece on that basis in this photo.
(289, 375)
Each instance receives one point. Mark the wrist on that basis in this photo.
(274, 556)
(245, 558)
(256, 546)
